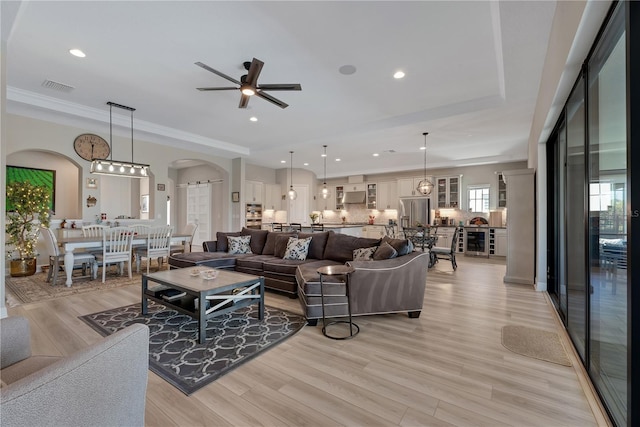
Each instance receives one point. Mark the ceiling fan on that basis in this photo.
(249, 86)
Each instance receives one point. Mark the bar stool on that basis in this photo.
(337, 270)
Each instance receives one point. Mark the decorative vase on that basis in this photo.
(23, 267)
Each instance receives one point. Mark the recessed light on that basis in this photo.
(375, 154)
(323, 155)
(77, 52)
(337, 160)
(347, 70)
(283, 161)
(253, 119)
(306, 164)
(398, 75)
(423, 148)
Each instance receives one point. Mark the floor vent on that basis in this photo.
(57, 86)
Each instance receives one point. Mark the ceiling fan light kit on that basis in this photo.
(117, 167)
(248, 84)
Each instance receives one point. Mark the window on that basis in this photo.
(479, 199)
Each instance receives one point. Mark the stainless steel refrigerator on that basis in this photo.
(414, 211)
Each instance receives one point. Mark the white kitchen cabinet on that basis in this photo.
(372, 196)
(498, 242)
(338, 195)
(448, 191)
(253, 192)
(445, 236)
(387, 195)
(407, 186)
(355, 187)
(272, 197)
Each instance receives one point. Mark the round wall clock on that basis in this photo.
(91, 147)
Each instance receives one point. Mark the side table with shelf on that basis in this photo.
(337, 270)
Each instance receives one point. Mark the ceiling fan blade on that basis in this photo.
(244, 101)
(290, 86)
(217, 88)
(254, 72)
(272, 99)
(223, 75)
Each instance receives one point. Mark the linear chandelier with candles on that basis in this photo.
(116, 167)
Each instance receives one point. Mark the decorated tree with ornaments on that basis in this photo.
(30, 210)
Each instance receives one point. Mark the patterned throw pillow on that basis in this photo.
(297, 249)
(364, 254)
(239, 244)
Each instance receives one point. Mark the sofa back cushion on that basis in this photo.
(258, 239)
(221, 238)
(340, 246)
(270, 243)
(318, 243)
(402, 246)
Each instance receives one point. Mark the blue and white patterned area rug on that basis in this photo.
(174, 352)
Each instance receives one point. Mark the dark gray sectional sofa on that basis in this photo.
(377, 286)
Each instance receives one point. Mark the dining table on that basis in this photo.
(70, 244)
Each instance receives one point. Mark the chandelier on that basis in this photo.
(292, 193)
(325, 193)
(425, 187)
(115, 167)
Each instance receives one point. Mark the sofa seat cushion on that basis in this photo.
(208, 259)
(308, 278)
(26, 367)
(286, 267)
(340, 247)
(254, 262)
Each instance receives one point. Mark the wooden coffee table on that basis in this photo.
(226, 293)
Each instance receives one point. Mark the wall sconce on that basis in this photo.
(91, 201)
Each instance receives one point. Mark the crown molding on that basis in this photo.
(56, 105)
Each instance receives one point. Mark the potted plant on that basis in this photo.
(314, 217)
(30, 209)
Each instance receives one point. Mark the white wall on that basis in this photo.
(23, 133)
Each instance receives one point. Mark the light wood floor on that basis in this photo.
(446, 368)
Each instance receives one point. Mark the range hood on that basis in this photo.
(354, 197)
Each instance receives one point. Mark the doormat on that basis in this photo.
(536, 343)
(174, 351)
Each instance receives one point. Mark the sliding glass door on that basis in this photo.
(608, 201)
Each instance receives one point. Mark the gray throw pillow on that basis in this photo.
(385, 251)
(402, 246)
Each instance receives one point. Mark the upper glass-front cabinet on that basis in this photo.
(502, 191)
(448, 192)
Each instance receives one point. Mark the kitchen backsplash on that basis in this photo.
(360, 214)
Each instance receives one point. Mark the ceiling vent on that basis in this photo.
(57, 86)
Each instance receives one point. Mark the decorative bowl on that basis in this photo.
(209, 274)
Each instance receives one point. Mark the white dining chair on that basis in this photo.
(158, 246)
(139, 230)
(56, 257)
(189, 229)
(94, 230)
(116, 249)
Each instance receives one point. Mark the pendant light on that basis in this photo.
(292, 193)
(325, 193)
(116, 167)
(425, 187)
